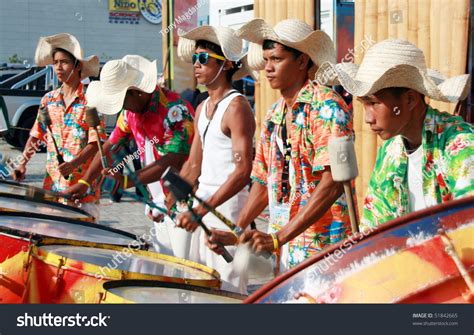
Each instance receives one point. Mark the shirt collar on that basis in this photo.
(302, 98)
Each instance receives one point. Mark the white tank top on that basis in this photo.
(217, 161)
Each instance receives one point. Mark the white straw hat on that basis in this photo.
(293, 33)
(116, 77)
(394, 63)
(224, 37)
(46, 45)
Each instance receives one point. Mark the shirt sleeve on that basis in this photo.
(329, 117)
(459, 156)
(121, 130)
(260, 165)
(39, 129)
(179, 130)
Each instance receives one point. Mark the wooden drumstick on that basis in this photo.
(92, 119)
(46, 120)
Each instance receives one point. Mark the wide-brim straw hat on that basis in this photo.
(46, 45)
(394, 63)
(224, 37)
(293, 33)
(116, 77)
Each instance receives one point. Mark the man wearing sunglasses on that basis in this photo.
(220, 160)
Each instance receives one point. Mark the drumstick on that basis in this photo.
(344, 169)
(185, 190)
(46, 120)
(181, 191)
(92, 119)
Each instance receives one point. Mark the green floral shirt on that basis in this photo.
(448, 169)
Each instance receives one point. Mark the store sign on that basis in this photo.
(123, 6)
(124, 11)
(151, 10)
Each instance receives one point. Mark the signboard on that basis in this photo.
(124, 11)
(151, 10)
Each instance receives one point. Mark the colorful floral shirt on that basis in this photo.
(72, 134)
(168, 121)
(317, 114)
(448, 169)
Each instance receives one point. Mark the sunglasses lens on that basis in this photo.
(202, 57)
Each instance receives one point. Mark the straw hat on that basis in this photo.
(116, 77)
(293, 33)
(46, 45)
(224, 37)
(394, 63)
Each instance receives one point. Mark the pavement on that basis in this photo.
(127, 215)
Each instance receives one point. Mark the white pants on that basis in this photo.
(199, 252)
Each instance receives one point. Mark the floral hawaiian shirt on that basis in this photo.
(317, 114)
(168, 122)
(448, 169)
(72, 134)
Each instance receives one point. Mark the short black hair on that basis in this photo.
(269, 44)
(218, 51)
(70, 55)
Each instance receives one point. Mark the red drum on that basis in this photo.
(74, 273)
(159, 292)
(424, 257)
(20, 231)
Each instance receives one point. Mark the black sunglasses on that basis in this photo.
(203, 57)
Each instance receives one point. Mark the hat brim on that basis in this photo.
(112, 103)
(46, 45)
(317, 45)
(430, 83)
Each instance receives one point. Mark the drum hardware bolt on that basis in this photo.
(449, 248)
(102, 296)
(59, 276)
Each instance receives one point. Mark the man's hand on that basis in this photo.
(186, 221)
(155, 215)
(220, 238)
(259, 242)
(76, 191)
(19, 173)
(66, 169)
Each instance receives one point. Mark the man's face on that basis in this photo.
(205, 73)
(380, 113)
(280, 67)
(133, 102)
(66, 70)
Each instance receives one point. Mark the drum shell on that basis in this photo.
(108, 297)
(56, 279)
(16, 244)
(401, 261)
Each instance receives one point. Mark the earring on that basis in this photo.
(396, 111)
(139, 94)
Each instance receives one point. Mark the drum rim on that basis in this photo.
(161, 284)
(21, 233)
(47, 202)
(263, 291)
(53, 259)
(26, 187)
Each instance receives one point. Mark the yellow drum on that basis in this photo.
(158, 292)
(74, 272)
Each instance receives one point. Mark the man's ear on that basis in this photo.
(228, 65)
(303, 61)
(413, 98)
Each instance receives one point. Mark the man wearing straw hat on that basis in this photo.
(221, 156)
(428, 156)
(291, 170)
(66, 109)
(159, 121)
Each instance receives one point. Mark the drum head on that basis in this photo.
(140, 262)
(22, 204)
(67, 229)
(155, 292)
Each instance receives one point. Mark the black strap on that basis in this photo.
(285, 175)
(212, 115)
